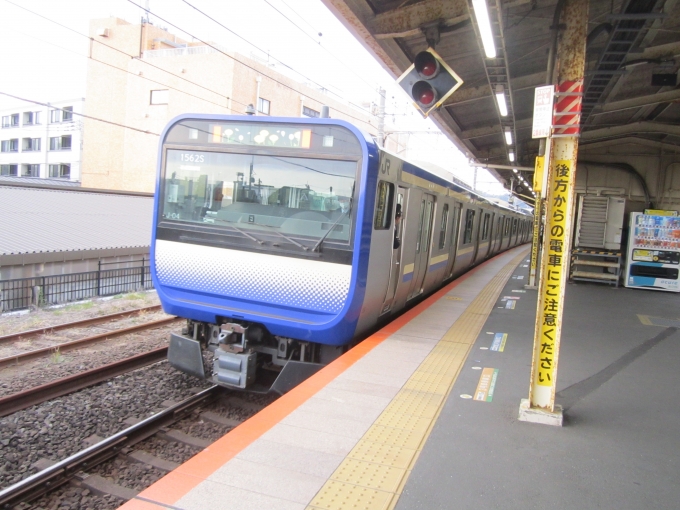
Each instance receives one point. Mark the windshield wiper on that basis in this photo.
(306, 248)
(323, 237)
(246, 234)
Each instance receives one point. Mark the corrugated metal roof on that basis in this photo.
(40, 220)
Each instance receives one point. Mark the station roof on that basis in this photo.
(629, 42)
(44, 220)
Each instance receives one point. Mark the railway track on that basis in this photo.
(39, 394)
(75, 344)
(82, 469)
(24, 335)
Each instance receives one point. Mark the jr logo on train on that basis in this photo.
(284, 240)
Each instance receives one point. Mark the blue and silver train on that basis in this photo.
(284, 240)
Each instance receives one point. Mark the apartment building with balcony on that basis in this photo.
(168, 76)
(42, 143)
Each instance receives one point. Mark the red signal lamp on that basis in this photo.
(429, 81)
(426, 65)
(424, 94)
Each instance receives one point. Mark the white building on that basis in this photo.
(40, 142)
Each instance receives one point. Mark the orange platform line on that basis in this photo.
(176, 484)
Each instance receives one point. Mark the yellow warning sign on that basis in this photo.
(552, 289)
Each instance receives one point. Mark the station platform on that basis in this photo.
(423, 414)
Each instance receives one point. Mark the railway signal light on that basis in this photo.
(429, 81)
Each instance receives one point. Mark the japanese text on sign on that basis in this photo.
(543, 111)
(553, 279)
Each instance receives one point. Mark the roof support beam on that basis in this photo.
(637, 102)
(494, 129)
(631, 129)
(406, 21)
(466, 95)
(585, 146)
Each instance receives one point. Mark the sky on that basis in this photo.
(44, 61)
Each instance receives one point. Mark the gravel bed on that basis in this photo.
(57, 429)
(167, 450)
(68, 497)
(55, 338)
(202, 429)
(14, 378)
(45, 317)
(132, 475)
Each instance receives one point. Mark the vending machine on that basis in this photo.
(653, 260)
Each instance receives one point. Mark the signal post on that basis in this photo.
(559, 210)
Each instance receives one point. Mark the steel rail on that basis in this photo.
(38, 484)
(67, 346)
(76, 324)
(32, 396)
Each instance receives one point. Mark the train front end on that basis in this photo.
(257, 243)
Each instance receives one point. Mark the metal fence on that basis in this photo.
(51, 290)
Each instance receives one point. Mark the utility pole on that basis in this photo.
(381, 117)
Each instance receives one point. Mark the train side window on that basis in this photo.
(420, 226)
(400, 205)
(383, 205)
(469, 223)
(429, 210)
(485, 227)
(442, 230)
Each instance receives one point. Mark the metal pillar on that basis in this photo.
(559, 205)
(538, 217)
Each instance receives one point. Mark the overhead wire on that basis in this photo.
(234, 58)
(146, 132)
(372, 86)
(126, 71)
(123, 52)
(211, 18)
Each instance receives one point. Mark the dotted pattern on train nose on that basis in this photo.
(311, 285)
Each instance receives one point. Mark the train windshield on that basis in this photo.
(295, 197)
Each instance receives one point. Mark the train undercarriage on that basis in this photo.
(244, 355)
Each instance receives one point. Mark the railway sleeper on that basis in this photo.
(102, 487)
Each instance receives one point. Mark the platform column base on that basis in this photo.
(526, 413)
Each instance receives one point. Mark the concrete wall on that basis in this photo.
(657, 163)
(57, 263)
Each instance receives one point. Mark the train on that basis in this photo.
(282, 241)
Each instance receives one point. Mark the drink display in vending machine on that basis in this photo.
(653, 260)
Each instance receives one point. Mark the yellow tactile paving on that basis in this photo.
(367, 474)
(375, 471)
(378, 453)
(341, 496)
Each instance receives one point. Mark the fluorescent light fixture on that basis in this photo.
(500, 98)
(511, 155)
(514, 170)
(508, 136)
(484, 24)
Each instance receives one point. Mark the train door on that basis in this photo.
(478, 234)
(455, 229)
(422, 245)
(490, 233)
(395, 270)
